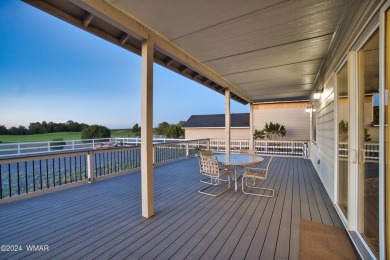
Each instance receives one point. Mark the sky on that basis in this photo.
(53, 71)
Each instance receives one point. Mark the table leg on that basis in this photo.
(235, 177)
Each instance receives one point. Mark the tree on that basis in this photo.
(180, 125)
(161, 128)
(343, 131)
(95, 131)
(271, 131)
(3, 130)
(259, 134)
(173, 131)
(136, 130)
(21, 130)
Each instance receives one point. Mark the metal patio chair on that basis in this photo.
(248, 151)
(250, 177)
(210, 167)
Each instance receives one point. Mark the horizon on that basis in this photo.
(53, 71)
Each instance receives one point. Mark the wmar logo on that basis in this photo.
(38, 248)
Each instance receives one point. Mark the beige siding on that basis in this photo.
(323, 150)
(216, 133)
(293, 116)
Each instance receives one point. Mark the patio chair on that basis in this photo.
(206, 152)
(250, 177)
(248, 151)
(210, 167)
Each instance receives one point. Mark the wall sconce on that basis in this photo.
(317, 95)
(310, 109)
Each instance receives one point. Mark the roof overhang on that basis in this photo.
(260, 50)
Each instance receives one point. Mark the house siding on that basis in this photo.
(323, 150)
(216, 133)
(292, 115)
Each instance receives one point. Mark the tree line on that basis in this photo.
(93, 131)
(165, 129)
(43, 128)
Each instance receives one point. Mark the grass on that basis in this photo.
(51, 136)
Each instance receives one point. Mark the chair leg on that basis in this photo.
(210, 181)
(211, 185)
(257, 188)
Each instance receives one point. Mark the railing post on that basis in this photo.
(154, 155)
(208, 144)
(48, 146)
(18, 149)
(93, 143)
(90, 165)
(187, 150)
(72, 145)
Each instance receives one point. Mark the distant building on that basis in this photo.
(213, 126)
(291, 114)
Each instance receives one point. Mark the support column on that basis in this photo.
(251, 127)
(227, 121)
(147, 178)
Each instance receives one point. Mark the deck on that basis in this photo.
(103, 220)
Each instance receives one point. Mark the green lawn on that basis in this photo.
(51, 136)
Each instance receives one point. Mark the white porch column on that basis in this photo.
(227, 121)
(251, 127)
(147, 181)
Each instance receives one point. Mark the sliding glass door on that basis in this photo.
(368, 141)
(386, 129)
(343, 143)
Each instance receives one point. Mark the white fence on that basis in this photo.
(277, 147)
(371, 151)
(28, 148)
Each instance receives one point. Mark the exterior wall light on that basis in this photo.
(317, 95)
(308, 110)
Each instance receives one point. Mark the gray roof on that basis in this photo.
(218, 120)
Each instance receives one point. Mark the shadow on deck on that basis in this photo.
(103, 220)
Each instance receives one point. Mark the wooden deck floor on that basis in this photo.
(103, 220)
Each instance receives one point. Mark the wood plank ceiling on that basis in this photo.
(265, 49)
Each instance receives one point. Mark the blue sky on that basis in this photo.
(53, 71)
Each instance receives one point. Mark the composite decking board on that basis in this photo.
(283, 238)
(224, 230)
(243, 244)
(64, 241)
(304, 201)
(100, 239)
(154, 235)
(259, 238)
(295, 215)
(186, 224)
(314, 210)
(97, 190)
(325, 216)
(187, 212)
(270, 242)
(209, 219)
(92, 205)
(216, 222)
(92, 232)
(226, 241)
(329, 204)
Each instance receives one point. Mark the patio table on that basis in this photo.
(238, 160)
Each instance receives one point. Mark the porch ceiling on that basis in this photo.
(260, 49)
